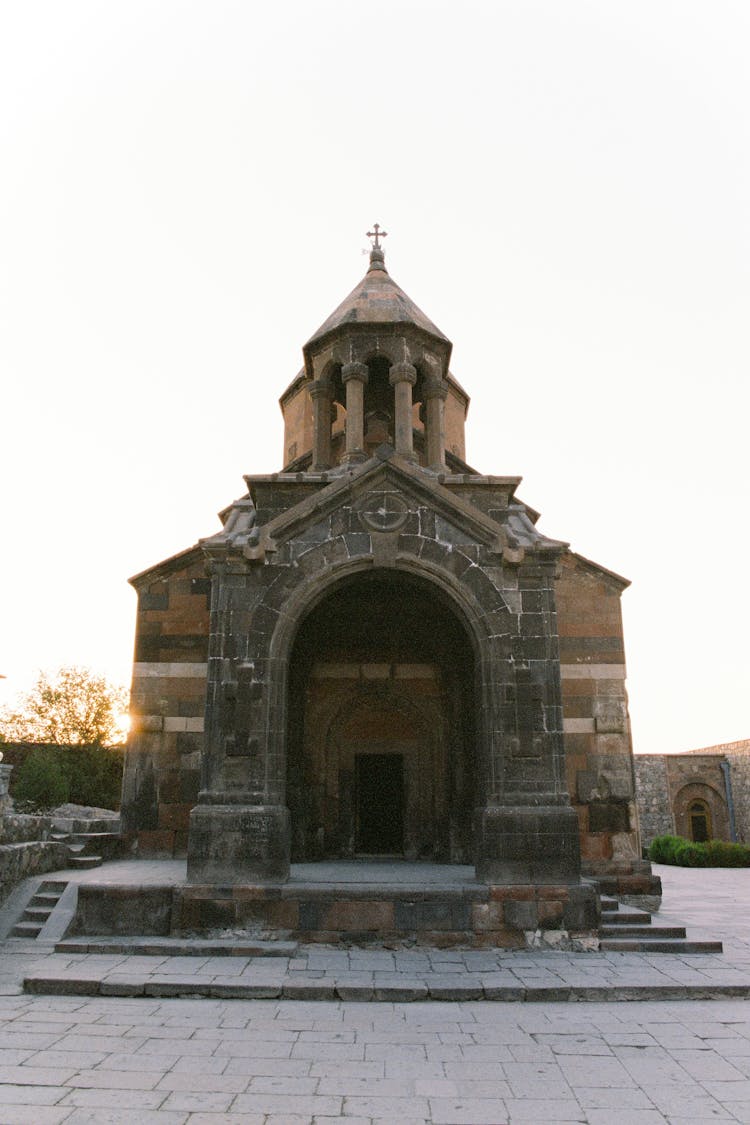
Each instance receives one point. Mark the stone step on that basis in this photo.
(81, 824)
(103, 844)
(643, 931)
(101, 840)
(94, 982)
(39, 909)
(625, 917)
(609, 903)
(44, 899)
(179, 947)
(26, 929)
(658, 945)
(85, 861)
(37, 913)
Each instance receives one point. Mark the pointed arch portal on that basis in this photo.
(381, 713)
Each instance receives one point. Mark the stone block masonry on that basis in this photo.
(168, 700)
(440, 917)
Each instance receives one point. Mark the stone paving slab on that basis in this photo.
(284, 1062)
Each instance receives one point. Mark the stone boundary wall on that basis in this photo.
(35, 857)
(739, 767)
(660, 778)
(652, 790)
(19, 828)
(741, 746)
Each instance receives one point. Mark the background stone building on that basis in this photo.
(701, 794)
(379, 653)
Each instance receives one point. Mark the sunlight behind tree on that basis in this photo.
(73, 707)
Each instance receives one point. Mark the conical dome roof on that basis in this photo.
(376, 300)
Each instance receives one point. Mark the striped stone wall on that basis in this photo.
(168, 699)
(598, 753)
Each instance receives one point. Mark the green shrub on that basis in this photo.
(85, 775)
(723, 854)
(663, 848)
(685, 853)
(95, 775)
(42, 781)
(691, 855)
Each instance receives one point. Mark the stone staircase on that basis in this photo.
(626, 929)
(89, 842)
(39, 908)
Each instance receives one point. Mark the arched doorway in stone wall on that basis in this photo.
(701, 813)
(381, 731)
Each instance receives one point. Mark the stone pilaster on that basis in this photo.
(526, 831)
(239, 829)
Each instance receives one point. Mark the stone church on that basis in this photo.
(379, 654)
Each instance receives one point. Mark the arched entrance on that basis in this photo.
(701, 813)
(381, 724)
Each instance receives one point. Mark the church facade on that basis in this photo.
(379, 654)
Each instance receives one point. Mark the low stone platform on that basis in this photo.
(424, 904)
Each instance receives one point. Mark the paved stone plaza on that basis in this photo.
(99, 1059)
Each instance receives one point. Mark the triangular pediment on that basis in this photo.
(384, 491)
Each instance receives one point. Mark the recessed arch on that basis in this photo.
(700, 812)
(382, 668)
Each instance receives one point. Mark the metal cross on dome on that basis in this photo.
(377, 234)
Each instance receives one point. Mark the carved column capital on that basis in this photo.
(356, 371)
(403, 373)
(434, 388)
(319, 390)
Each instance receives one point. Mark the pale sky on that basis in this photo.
(185, 190)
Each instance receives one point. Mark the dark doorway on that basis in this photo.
(379, 800)
(699, 822)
